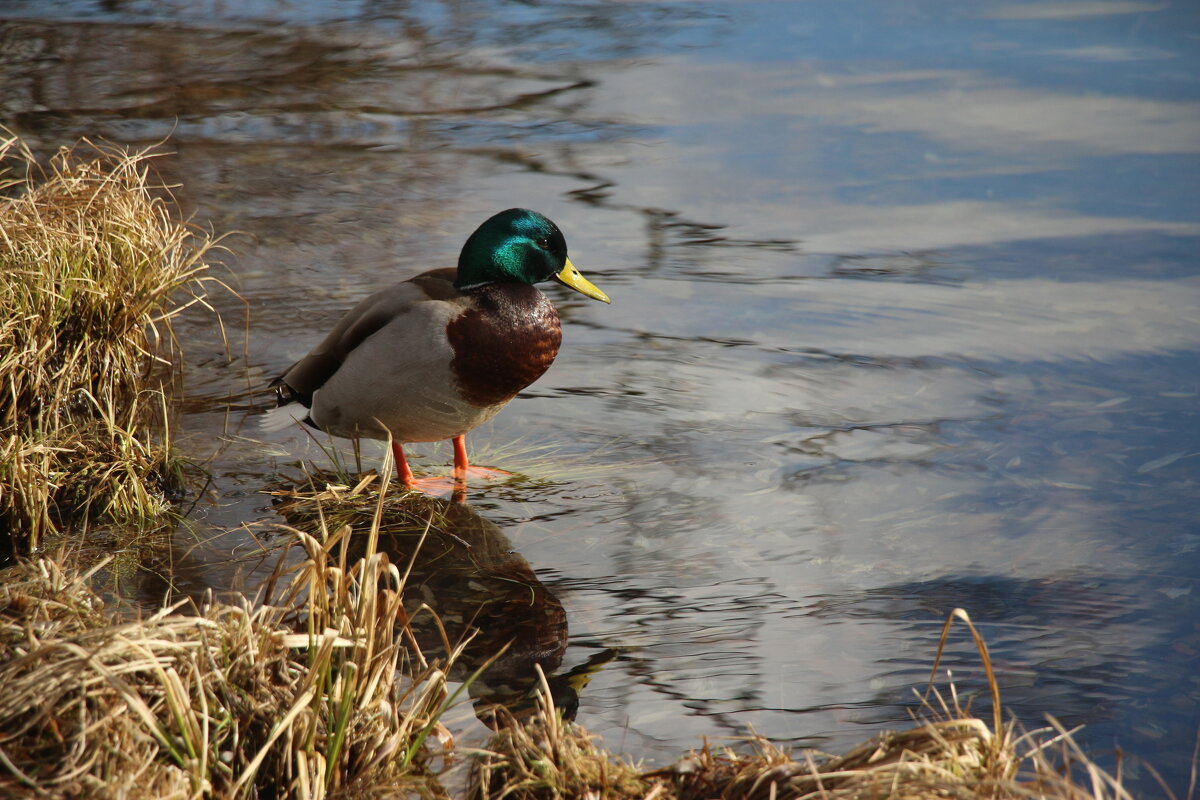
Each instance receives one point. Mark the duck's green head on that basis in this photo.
(519, 245)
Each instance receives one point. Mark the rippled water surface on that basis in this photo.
(906, 317)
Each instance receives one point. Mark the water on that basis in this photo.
(906, 317)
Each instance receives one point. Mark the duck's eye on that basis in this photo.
(543, 243)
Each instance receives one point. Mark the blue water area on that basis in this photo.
(906, 317)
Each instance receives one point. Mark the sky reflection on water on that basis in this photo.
(905, 318)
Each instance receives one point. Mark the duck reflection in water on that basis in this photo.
(466, 570)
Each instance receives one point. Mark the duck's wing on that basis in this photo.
(310, 373)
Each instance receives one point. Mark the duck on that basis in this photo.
(437, 355)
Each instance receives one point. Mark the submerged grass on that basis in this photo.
(92, 257)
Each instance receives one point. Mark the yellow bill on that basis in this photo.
(569, 276)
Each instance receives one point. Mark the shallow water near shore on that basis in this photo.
(905, 318)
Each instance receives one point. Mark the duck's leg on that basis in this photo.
(404, 473)
(463, 468)
(432, 486)
(461, 465)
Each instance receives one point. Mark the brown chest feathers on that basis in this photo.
(503, 342)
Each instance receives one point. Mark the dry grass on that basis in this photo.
(91, 255)
(314, 697)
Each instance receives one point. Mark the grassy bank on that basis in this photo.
(94, 264)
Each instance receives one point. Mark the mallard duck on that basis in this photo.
(441, 353)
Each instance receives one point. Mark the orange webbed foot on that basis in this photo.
(481, 474)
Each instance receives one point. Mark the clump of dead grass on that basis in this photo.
(314, 696)
(546, 756)
(92, 260)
